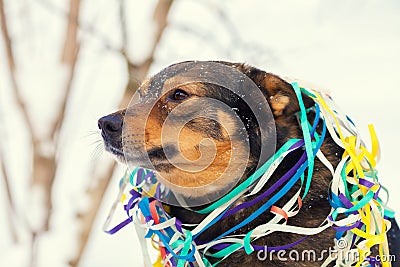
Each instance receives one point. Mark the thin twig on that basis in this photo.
(11, 67)
(33, 255)
(160, 17)
(45, 166)
(84, 27)
(67, 91)
(11, 209)
(124, 32)
(46, 176)
(14, 84)
(70, 43)
(69, 57)
(87, 219)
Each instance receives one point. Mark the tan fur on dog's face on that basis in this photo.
(203, 149)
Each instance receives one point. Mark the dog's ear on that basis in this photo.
(278, 92)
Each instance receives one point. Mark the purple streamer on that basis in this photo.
(274, 187)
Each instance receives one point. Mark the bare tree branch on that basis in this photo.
(140, 71)
(67, 91)
(86, 219)
(237, 39)
(124, 32)
(11, 66)
(70, 43)
(34, 247)
(44, 166)
(6, 36)
(160, 16)
(20, 103)
(11, 209)
(96, 195)
(84, 27)
(69, 57)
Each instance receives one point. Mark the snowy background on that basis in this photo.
(348, 47)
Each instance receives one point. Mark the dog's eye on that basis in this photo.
(179, 95)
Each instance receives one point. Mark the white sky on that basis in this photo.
(349, 48)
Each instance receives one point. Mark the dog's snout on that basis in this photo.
(111, 125)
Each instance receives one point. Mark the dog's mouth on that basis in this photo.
(117, 152)
(121, 155)
(132, 157)
(155, 158)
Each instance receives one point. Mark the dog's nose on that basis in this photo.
(110, 126)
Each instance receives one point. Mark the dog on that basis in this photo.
(144, 146)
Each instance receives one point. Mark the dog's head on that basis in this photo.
(196, 132)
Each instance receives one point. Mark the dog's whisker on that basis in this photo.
(97, 152)
(92, 133)
(96, 142)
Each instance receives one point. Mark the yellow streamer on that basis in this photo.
(375, 224)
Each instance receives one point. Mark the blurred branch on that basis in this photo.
(11, 67)
(70, 58)
(21, 105)
(136, 71)
(229, 26)
(83, 27)
(86, 219)
(96, 195)
(70, 43)
(45, 164)
(206, 37)
(253, 50)
(160, 16)
(11, 209)
(6, 36)
(67, 91)
(124, 32)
